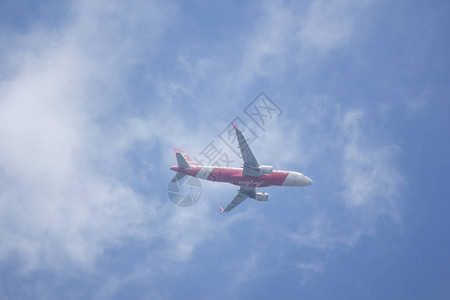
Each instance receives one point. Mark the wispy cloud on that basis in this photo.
(63, 201)
(330, 24)
(369, 174)
(308, 269)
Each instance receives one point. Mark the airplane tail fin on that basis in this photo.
(183, 160)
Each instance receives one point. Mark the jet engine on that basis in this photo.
(262, 196)
(266, 170)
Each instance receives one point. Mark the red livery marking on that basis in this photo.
(195, 170)
(234, 176)
(186, 157)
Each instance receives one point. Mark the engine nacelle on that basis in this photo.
(266, 170)
(262, 196)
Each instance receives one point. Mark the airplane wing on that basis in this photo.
(244, 193)
(251, 165)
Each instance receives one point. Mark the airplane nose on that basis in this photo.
(308, 180)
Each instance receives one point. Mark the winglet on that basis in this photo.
(220, 207)
(234, 126)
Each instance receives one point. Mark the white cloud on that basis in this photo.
(370, 178)
(63, 156)
(330, 24)
(186, 229)
(284, 37)
(358, 161)
(308, 269)
(63, 198)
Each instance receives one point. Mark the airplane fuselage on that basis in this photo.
(234, 176)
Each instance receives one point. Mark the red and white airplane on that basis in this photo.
(249, 178)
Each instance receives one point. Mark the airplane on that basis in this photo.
(250, 177)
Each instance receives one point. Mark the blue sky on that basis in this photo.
(94, 96)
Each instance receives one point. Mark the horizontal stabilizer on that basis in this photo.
(178, 176)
